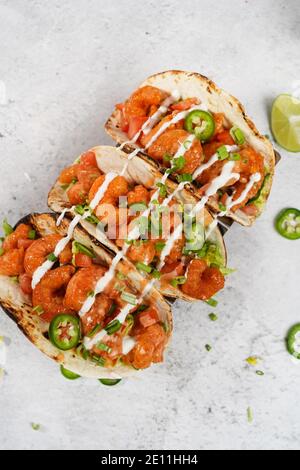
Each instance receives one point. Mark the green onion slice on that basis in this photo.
(178, 281)
(223, 153)
(52, 257)
(79, 248)
(238, 135)
(211, 302)
(113, 327)
(32, 235)
(144, 268)
(129, 298)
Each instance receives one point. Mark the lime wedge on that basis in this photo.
(286, 122)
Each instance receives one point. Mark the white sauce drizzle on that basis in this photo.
(212, 161)
(179, 117)
(216, 184)
(62, 216)
(255, 178)
(150, 123)
(128, 344)
(176, 235)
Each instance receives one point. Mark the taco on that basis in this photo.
(183, 257)
(184, 121)
(80, 306)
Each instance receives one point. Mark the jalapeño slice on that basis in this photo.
(64, 332)
(200, 123)
(288, 224)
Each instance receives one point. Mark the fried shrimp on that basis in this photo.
(142, 252)
(139, 194)
(11, 241)
(81, 285)
(143, 100)
(202, 282)
(117, 188)
(40, 249)
(78, 290)
(12, 262)
(149, 347)
(169, 143)
(50, 292)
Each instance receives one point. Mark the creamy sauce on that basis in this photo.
(128, 344)
(212, 161)
(255, 178)
(150, 123)
(109, 177)
(179, 117)
(176, 235)
(216, 184)
(62, 216)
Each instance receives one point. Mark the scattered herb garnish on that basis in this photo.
(250, 415)
(212, 302)
(213, 317)
(208, 347)
(35, 426)
(113, 327)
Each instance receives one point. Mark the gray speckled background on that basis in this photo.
(64, 65)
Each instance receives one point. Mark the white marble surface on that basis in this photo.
(64, 65)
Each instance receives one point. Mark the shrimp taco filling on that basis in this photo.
(83, 305)
(198, 146)
(146, 223)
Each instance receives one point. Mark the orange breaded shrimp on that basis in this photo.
(117, 188)
(169, 143)
(11, 241)
(37, 253)
(69, 174)
(80, 286)
(82, 283)
(142, 252)
(12, 262)
(142, 101)
(138, 194)
(176, 252)
(149, 347)
(202, 282)
(49, 293)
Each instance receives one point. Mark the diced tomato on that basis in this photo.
(250, 210)
(88, 159)
(87, 175)
(25, 243)
(25, 284)
(148, 317)
(184, 105)
(124, 124)
(225, 138)
(77, 194)
(135, 125)
(83, 261)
